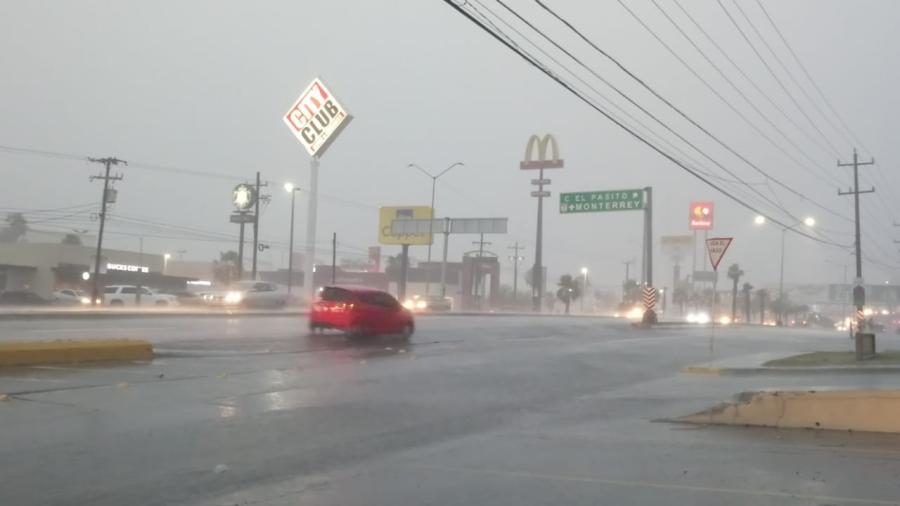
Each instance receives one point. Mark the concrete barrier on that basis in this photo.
(859, 410)
(57, 352)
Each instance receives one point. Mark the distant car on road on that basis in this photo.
(126, 295)
(22, 298)
(70, 297)
(359, 312)
(255, 294)
(432, 303)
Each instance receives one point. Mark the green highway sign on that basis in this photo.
(600, 201)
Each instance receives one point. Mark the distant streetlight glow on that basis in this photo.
(809, 221)
(289, 187)
(759, 220)
(584, 271)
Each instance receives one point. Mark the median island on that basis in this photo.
(834, 358)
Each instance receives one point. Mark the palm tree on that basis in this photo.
(225, 269)
(569, 290)
(734, 273)
(745, 291)
(762, 296)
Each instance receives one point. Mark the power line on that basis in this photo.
(634, 134)
(810, 78)
(691, 120)
(769, 68)
(776, 204)
(725, 101)
(828, 149)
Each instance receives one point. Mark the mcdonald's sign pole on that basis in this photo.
(536, 159)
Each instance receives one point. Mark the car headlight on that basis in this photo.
(409, 304)
(635, 313)
(703, 318)
(85, 300)
(724, 320)
(234, 297)
(691, 318)
(421, 304)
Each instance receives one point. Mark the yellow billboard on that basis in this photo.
(388, 214)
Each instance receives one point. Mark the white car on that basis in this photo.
(70, 297)
(255, 294)
(126, 295)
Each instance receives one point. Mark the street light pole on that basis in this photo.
(584, 273)
(434, 179)
(809, 222)
(166, 258)
(780, 321)
(289, 187)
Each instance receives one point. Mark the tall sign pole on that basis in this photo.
(315, 119)
(312, 203)
(536, 159)
(649, 311)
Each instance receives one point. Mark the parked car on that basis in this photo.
(70, 297)
(126, 295)
(255, 294)
(22, 298)
(185, 298)
(360, 312)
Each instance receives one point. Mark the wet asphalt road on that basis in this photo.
(475, 410)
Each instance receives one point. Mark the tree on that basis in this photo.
(762, 297)
(734, 274)
(745, 291)
(568, 291)
(225, 269)
(71, 240)
(392, 267)
(15, 229)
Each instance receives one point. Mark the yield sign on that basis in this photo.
(716, 247)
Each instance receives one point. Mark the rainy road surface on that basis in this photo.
(475, 410)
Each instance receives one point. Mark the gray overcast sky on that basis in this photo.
(202, 85)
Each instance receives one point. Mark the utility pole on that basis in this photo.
(108, 162)
(628, 269)
(256, 222)
(516, 258)
(859, 292)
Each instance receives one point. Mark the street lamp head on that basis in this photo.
(289, 187)
(759, 220)
(584, 271)
(167, 256)
(809, 221)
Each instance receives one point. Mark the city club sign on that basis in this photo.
(316, 118)
(127, 268)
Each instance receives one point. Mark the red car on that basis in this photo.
(360, 311)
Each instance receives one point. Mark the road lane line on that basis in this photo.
(659, 485)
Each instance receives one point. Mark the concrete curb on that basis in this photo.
(124, 314)
(859, 410)
(787, 371)
(57, 352)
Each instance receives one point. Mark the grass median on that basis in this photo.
(834, 358)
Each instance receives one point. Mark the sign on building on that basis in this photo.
(316, 118)
(601, 201)
(386, 215)
(701, 216)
